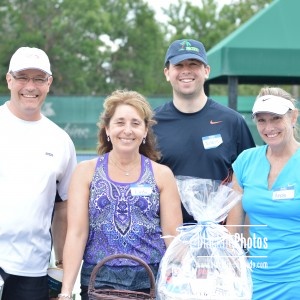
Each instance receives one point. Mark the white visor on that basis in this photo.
(272, 104)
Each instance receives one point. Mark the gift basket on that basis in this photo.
(111, 294)
(204, 261)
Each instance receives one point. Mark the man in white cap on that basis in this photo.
(37, 159)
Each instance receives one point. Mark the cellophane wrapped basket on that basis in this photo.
(204, 261)
(112, 294)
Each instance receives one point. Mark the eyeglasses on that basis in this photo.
(23, 79)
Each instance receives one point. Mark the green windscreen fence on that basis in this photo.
(79, 116)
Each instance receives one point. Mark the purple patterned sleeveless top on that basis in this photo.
(124, 217)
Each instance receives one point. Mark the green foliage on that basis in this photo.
(138, 62)
(209, 23)
(96, 46)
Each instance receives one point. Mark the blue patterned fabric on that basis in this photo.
(124, 218)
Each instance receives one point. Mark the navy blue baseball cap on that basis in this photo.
(181, 50)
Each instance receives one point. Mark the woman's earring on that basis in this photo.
(108, 138)
(144, 140)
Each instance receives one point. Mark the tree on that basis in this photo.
(97, 46)
(67, 30)
(208, 23)
(73, 32)
(138, 62)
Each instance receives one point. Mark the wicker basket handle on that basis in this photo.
(126, 256)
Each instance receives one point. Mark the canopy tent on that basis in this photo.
(264, 50)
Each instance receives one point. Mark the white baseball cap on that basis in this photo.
(272, 104)
(29, 58)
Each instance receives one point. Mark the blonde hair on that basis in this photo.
(276, 91)
(144, 109)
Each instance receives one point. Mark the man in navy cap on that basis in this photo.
(197, 136)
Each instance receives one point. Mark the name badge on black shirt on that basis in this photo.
(212, 141)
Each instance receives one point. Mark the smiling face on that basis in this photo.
(276, 130)
(126, 129)
(27, 98)
(187, 77)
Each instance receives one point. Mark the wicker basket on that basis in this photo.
(111, 294)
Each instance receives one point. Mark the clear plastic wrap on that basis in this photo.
(204, 261)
